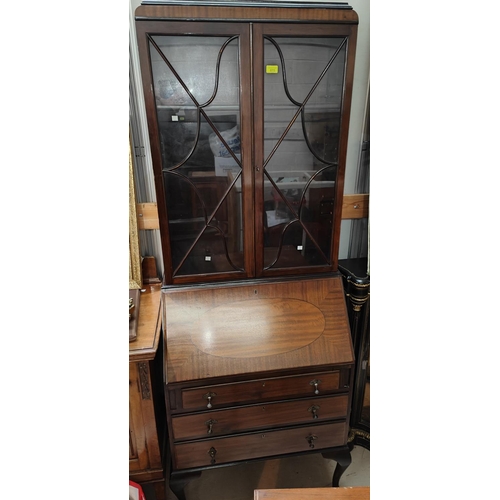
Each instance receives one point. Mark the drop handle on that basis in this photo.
(208, 396)
(212, 452)
(315, 383)
(310, 439)
(209, 424)
(314, 410)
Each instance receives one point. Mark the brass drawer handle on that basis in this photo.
(314, 409)
(212, 452)
(209, 424)
(315, 383)
(310, 440)
(209, 396)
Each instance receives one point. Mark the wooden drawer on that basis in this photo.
(260, 390)
(258, 445)
(247, 418)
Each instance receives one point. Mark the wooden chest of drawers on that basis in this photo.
(255, 371)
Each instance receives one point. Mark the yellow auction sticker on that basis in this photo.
(271, 68)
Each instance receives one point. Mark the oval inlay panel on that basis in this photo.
(260, 327)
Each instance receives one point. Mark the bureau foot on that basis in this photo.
(179, 481)
(343, 458)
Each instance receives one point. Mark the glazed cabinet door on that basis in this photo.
(197, 89)
(300, 129)
(248, 125)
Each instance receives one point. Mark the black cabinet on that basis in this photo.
(357, 289)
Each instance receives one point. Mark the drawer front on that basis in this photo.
(217, 423)
(258, 445)
(260, 390)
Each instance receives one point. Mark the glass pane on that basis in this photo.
(303, 88)
(203, 244)
(196, 86)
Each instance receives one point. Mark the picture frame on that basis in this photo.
(135, 271)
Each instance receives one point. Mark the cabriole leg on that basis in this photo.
(343, 458)
(179, 480)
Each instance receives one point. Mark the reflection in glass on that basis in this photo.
(196, 86)
(302, 104)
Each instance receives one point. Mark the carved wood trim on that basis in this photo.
(144, 380)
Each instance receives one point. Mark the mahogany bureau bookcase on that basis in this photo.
(248, 108)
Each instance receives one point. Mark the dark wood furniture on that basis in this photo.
(248, 109)
(256, 370)
(357, 288)
(146, 400)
